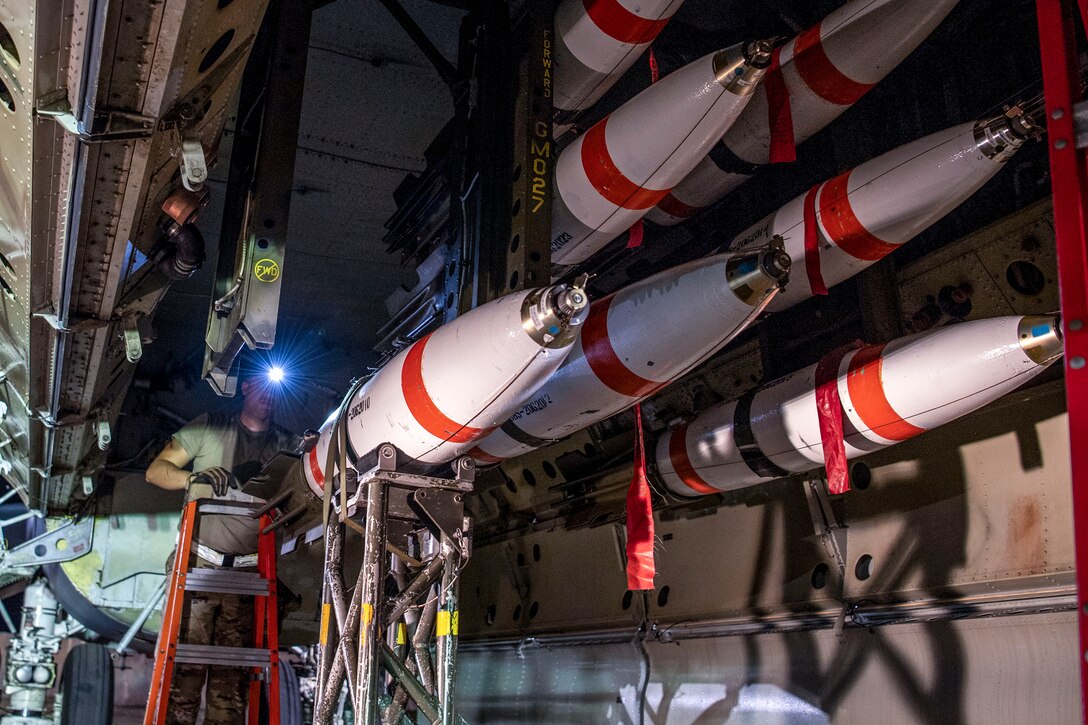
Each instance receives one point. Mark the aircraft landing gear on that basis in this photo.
(31, 661)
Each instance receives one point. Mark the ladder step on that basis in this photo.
(203, 654)
(226, 581)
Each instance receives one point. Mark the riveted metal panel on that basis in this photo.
(1006, 670)
(981, 504)
(1016, 250)
(129, 63)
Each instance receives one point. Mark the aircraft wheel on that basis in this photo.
(86, 684)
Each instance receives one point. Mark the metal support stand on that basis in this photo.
(1066, 126)
(374, 539)
(446, 630)
(400, 512)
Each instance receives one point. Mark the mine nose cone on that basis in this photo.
(572, 300)
(552, 315)
(739, 68)
(776, 263)
(1041, 337)
(757, 53)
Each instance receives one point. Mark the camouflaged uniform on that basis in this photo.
(221, 619)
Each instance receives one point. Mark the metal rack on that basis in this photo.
(415, 530)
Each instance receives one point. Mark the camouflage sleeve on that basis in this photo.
(192, 436)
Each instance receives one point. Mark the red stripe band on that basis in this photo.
(602, 357)
(676, 208)
(865, 383)
(783, 145)
(619, 23)
(812, 244)
(606, 177)
(422, 406)
(315, 469)
(821, 75)
(483, 456)
(681, 462)
(843, 226)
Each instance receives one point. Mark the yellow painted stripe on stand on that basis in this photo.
(446, 624)
(367, 616)
(325, 609)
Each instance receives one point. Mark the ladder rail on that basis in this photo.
(163, 675)
(265, 630)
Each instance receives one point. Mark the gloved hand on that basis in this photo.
(219, 478)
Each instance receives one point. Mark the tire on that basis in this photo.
(87, 686)
(290, 698)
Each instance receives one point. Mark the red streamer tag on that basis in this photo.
(783, 148)
(812, 244)
(640, 519)
(634, 235)
(654, 72)
(829, 413)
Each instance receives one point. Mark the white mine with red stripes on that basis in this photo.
(823, 72)
(597, 41)
(616, 171)
(639, 340)
(437, 398)
(862, 215)
(889, 393)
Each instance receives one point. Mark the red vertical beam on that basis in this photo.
(1069, 181)
(267, 560)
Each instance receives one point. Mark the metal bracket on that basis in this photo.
(134, 345)
(194, 167)
(442, 511)
(104, 434)
(831, 532)
(106, 124)
(65, 543)
(464, 469)
(75, 324)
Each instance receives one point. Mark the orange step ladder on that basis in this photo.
(261, 585)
